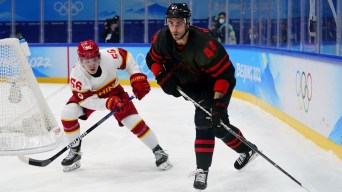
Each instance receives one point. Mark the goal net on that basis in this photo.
(27, 125)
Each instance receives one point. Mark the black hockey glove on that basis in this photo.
(219, 112)
(168, 83)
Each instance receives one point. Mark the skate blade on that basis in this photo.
(198, 190)
(72, 167)
(165, 166)
(254, 156)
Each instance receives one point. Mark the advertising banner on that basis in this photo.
(49, 61)
(305, 88)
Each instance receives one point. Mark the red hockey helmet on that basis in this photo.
(88, 49)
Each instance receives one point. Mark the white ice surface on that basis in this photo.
(114, 160)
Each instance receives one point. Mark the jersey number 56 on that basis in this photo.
(75, 84)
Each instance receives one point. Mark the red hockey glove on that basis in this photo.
(219, 112)
(140, 85)
(114, 102)
(168, 83)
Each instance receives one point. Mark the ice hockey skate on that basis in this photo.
(72, 161)
(200, 182)
(162, 159)
(245, 158)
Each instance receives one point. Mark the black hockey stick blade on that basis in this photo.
(43, 163)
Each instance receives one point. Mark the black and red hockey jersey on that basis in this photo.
(201, 65)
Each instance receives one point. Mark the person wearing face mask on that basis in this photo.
(111, 34)
(223, 26)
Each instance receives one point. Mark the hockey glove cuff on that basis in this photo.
(219, 112)
(114, 102)
(168, 83)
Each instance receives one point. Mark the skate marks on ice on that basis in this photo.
(114, 160)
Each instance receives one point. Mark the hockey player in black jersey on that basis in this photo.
(191, 58)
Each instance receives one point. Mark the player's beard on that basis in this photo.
(177, 36)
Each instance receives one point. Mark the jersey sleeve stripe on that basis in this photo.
(155, 56)
(123, 53)
(82, 95)
(215, 67)
(224, 67)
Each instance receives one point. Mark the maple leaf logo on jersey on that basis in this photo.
(185, 72)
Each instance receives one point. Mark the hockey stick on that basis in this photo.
(43, 163)
(241, 138)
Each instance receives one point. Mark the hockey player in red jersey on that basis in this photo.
(189, 57)
(95, 86)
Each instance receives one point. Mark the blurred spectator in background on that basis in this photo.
(329, 29)
(214, 28)
(283, 31)
(223, 26)
(17, 34)
(111, 33)
(253, 35)
(257, 36)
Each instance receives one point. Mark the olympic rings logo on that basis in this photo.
(141, 62)
(304, 90)
(63, 8)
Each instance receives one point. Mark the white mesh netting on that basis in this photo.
(26, 123)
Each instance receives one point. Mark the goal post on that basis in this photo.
(27, 125)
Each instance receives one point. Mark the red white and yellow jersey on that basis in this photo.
(92, 92)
